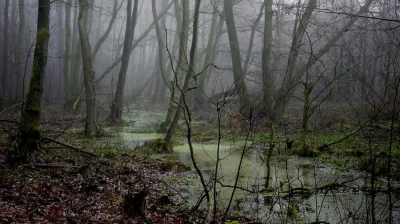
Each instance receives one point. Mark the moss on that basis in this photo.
(267, 190)
(157, 146)
(293, 211)
(380, 167)
(175, 166)
(234, 222)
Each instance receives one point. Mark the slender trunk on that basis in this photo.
(252, 34)
(161, 47)
(88, 72)
(174, 68)
(305, 116)
(238, 74)
(182, 66)
(288, 80)
(215, 52)
(67, 56)
(267, 76)
(13, 44)
(117, 106)
(118, 60)
(60, 44)
(5, 56)
(291, 80)
(202, 85)
(183, 103)
(77, 56)
(103, 38)
(21, 48)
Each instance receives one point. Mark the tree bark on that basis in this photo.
(181, 67)
(117, 106)
(21, 48)
(291, 80)
(103, 38)
(88, 72)
(208, 58)
(67, 55)
(29, 131)
(161, 51)
(267, 76)
(288, 80)
(238, 74)
(253, 32)
(174, 67)
(61, 43)
(5, 57)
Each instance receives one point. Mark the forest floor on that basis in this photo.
(64, 185)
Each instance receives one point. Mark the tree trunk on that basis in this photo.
(5, 57)
(267, 76)
(291, 80)
(88, 72)
(288, 80)
(29, 131)
(253, 31)
(103, 38)
(181, 67)
(117, 106)
(77, 59)
(161, 53)
(202, 85)
(61, 43)
(176, 70)
(238, 74)
(21, 48)
(13, 44)
(67, 55)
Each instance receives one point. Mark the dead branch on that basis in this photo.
(49, 166)
(69, 146)
(9, 121)
(66, 128)
(237, 187)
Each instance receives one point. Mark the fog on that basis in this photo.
(346, 49)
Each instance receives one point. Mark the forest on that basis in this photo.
(200, 111)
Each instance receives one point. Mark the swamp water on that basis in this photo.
(350, 203)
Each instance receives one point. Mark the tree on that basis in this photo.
(3, 95)
(182, 38)
(73, 94)
(67, 54)
(21, 48)
(163, 81)
(29, 131)
(291, 78)
(238, 74)
(267, 76)
(117, 105)
(88, 72)
(208, 58)
(161, 46)
(182, 66)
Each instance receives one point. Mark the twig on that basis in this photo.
(66, 128)
(237, 187)
(69, 146)
(10, 107)
(9, 121)
(345, 137)
(49, 166)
